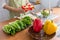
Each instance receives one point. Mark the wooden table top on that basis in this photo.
(24, 35)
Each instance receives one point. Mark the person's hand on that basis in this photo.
(4, 5)
(21, 10)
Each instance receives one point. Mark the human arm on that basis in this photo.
(20, 10)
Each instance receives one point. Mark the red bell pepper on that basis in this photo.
(37, 25)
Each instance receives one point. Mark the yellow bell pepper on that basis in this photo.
(49, 27)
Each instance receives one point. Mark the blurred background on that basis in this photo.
(4, 14)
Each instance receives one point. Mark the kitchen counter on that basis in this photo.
(24, 35)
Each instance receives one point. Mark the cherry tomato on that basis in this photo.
(30, 8)
(26, 10)
(23, 7)
(26, 7)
